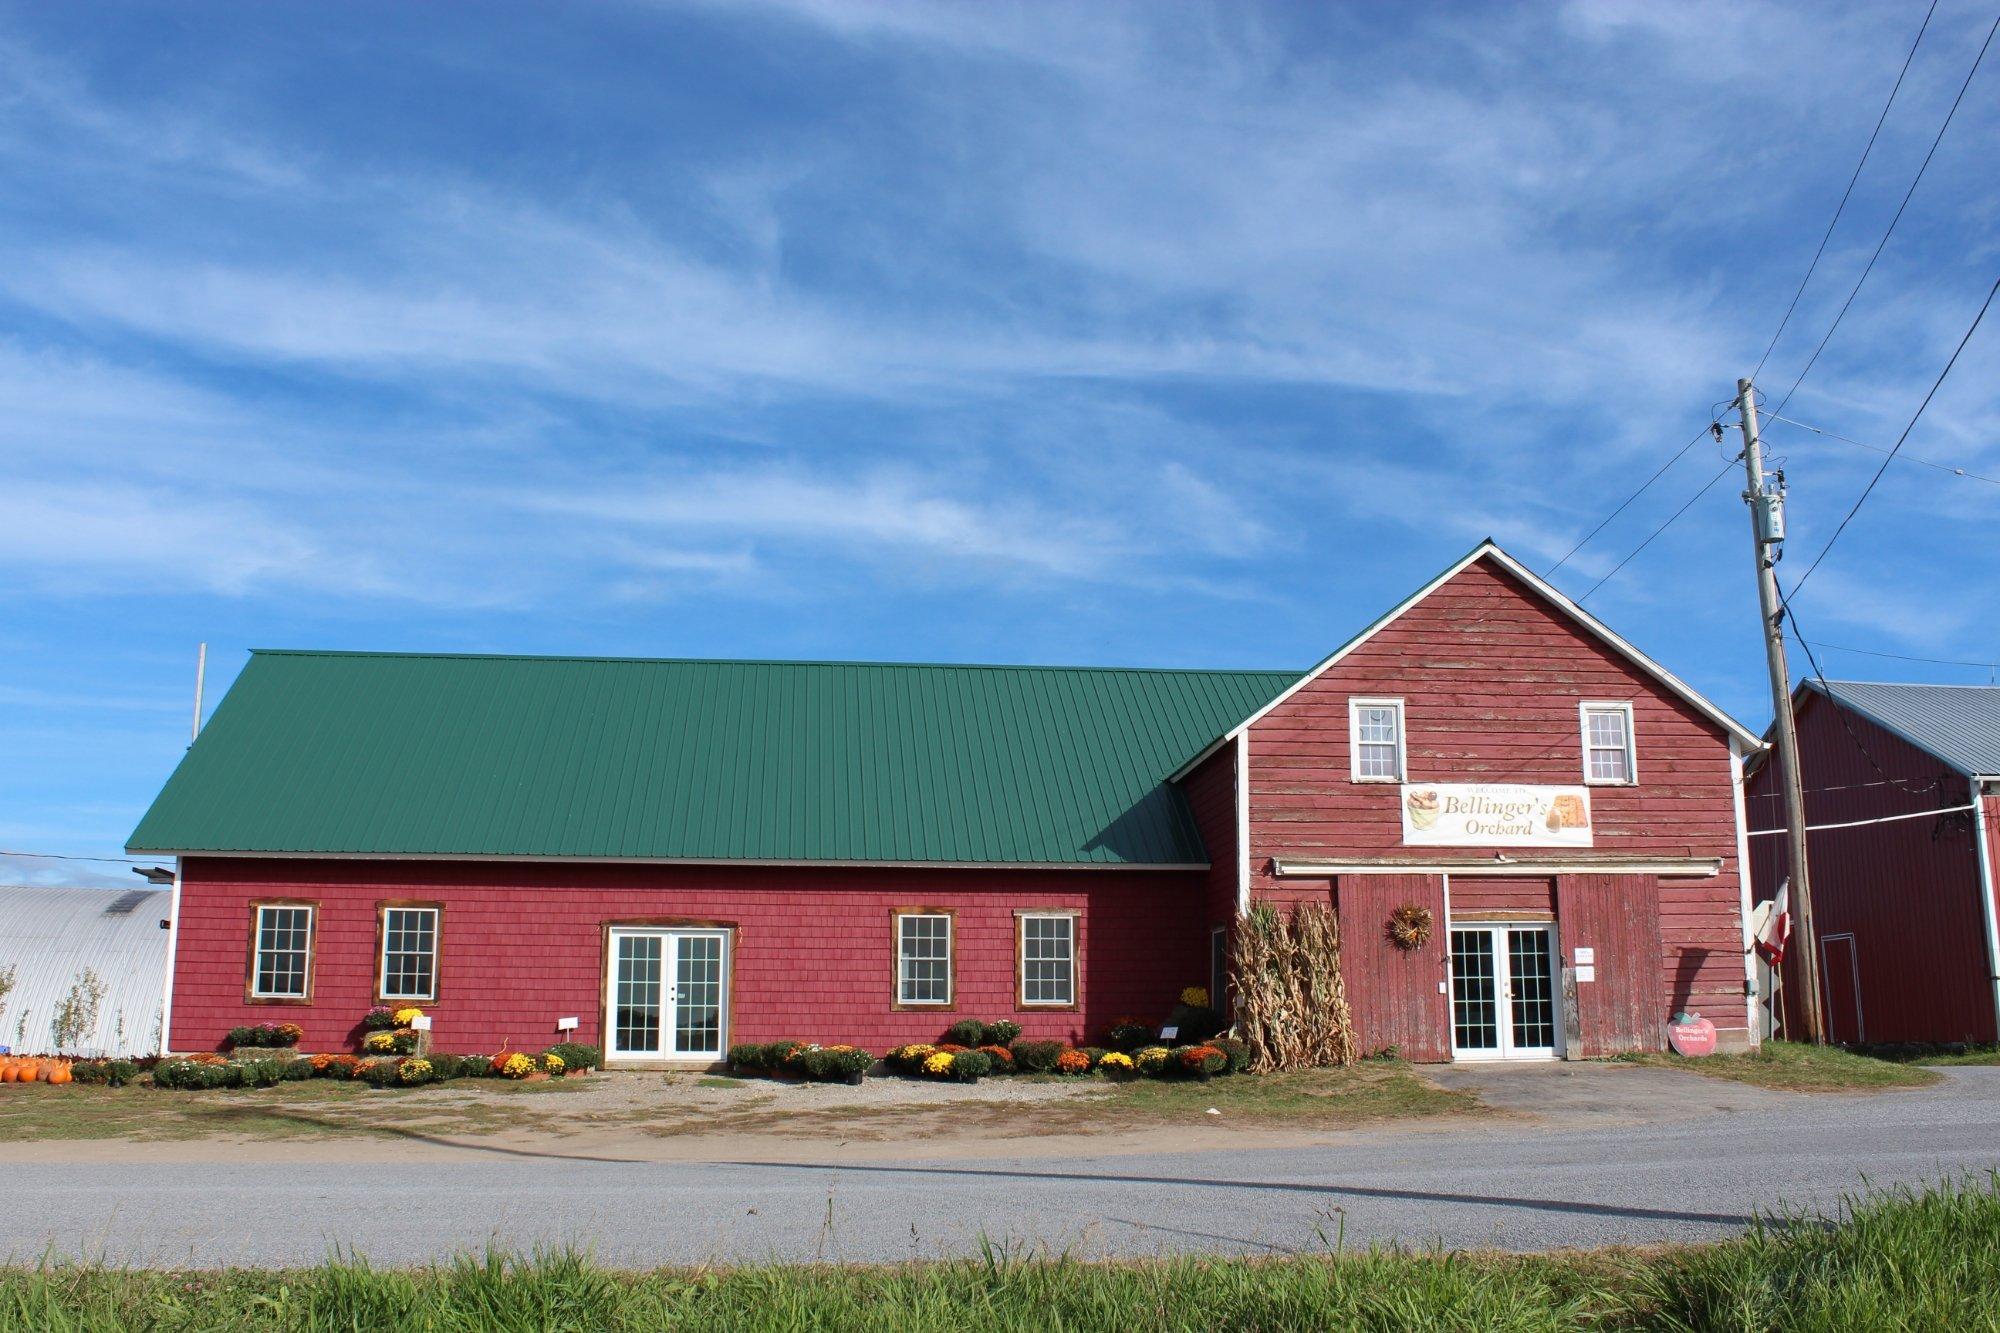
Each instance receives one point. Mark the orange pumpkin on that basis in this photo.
(6, 1070)
(59, 1073)
(26, 1071)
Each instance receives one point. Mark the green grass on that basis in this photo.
(1984, 1055)
(1791, 1066)
(1324, 1098)
(1899, 1261)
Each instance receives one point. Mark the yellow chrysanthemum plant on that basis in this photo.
(406, 1016)
(1194, 997)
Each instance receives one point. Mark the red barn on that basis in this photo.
(674, 855)
(1902, 793)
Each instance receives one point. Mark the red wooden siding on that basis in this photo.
(814, 954)
(1392, 993)
(1907, 891)
(1211, 795)
(1491, 677)
(1617, 917)
(1502, 898)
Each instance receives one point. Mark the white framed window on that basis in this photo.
(408, 968)
(923, 958)
(1046, 945)
(281, 939)
(1375, 739)
(1609, 756)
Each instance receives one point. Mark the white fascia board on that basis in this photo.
(1543, 589)
(1751, 999)
(1691, 866)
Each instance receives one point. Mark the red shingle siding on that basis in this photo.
(1908, 891)
(1491, 677)
(814, 952)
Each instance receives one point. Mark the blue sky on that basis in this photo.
(1140, 334)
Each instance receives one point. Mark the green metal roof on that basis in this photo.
(393, 754)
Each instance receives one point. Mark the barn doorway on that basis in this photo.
(1503, 993)
(1840, 969)
(666, 994)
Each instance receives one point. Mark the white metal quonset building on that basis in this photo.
(49, 939)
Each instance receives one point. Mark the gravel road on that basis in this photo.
(1585, 1177)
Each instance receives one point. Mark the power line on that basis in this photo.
(1891, 230)
(1585, 541)
(55, 856)
(1883, 449)
(1798, 635)
(1727, 468)
(1935, 385)
(1848, 193)
(1905, 657)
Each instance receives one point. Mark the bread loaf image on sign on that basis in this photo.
(1423, 807)
(1567, 812)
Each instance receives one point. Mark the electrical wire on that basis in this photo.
(1883, 449)
(1891, 230)
(1706, 487)
(1904, 657)
(1798, 636)
(1585, 540)
(1867, 490)
(55, 856)
(1848, 193)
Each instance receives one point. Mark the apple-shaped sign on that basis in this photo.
(1692, 1035)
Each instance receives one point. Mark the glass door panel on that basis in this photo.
(1475, 1010)
(1531, 992)
(636, 993)
(698, 995)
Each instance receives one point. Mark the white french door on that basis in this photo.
(1503, 993)
(666, 994)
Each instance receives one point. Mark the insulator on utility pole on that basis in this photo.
(1767, 525)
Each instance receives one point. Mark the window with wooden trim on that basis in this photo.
(1375, 739)
(923, 958)
(408, 966)
(1046, 945)
(281, 951)
(1609, 757)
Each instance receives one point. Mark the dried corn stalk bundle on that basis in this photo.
(1290, 1002)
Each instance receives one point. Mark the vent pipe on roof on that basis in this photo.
(200, 674)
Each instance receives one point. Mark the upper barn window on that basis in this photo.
(1608, 756)
(1375, 739)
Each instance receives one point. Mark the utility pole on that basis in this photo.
(1767, 526)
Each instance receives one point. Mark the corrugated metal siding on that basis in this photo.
(1393, 993)
(507, 756)
(1908, 891)
(1960, 724)
(1491, 675)
(814, 946)
(1617, 917)
(48, 937)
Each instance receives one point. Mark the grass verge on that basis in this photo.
(1791, 1066)
(1903, 1260)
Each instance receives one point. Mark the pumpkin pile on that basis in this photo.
(29, 1069)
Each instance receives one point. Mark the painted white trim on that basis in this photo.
(1355, 703)
(1751, 998)
(1694, 866)
(257, 949)
(669, 937)
(173, 947)
(1542, 588)
(950, 958)
(1021, 920)
(689, 861)
(1242, 823)
(1584, 708)
(1854, 975)
(1982, 844)
(382, 949)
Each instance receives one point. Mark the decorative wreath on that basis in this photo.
(1410, 926)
